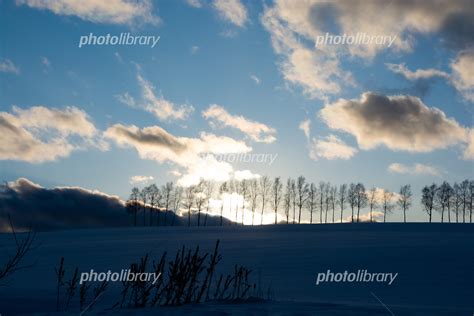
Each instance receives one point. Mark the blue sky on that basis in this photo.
(232, 54)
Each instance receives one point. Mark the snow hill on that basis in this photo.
(434, 263)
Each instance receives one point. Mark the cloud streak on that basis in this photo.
(97, 11)
(415, 169)
(256, 131)
(157, 105)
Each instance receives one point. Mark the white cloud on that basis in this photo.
(240, 175)
(194, 3)
(417, 169)
(194, 49)
(317, 72)
(45, 61)
(330, 148)
(305, 126)
(398, 122)
(232, 11)
(417, 74)
(157, 105)
(97, 11)
(140, 179)
(195, 155)
(257, 131)
(255, 79)
(6, 65)
(40, 134)
(295, 26)
(377, 216)
(469, 150)
(463, 74)
(118, 57)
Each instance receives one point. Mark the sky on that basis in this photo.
(230, 81)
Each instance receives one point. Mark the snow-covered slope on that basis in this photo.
(434, 263)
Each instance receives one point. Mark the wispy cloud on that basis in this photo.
(195, 3)
(160, 107)
(97, 11)
(417, 74)
(416, 169)
(330, 148)
(140, 179)
(255, 79)
(232, 11)
(194, 49)
(6, 65)
(305, 126)
(256, 131)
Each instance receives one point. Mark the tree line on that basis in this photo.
(323, 202)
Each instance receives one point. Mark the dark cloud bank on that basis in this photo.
(32, 206)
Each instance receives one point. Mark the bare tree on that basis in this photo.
(428, 195)
(253, 194)
(322, 185)
(133, 204)
(471, 199)
(405, 199)
(236, 190)
(200, 199)
(342, 198)
(265, 184)
(177, 196)
(287, 200)
(188, 201)
(443, 197)
(244, 190)
(333, 200)
(373, 202)
(167, 195)
(387, 203)
(14, 261)
(302, 188)
(352, 199)
(293, 199)
(154, 198)
(465, 197)
(327, 202)
(312, 200)
(277, 189)
(144, 197)
(457, 200)
(223, 189)
(361, 198)
(209, 191)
